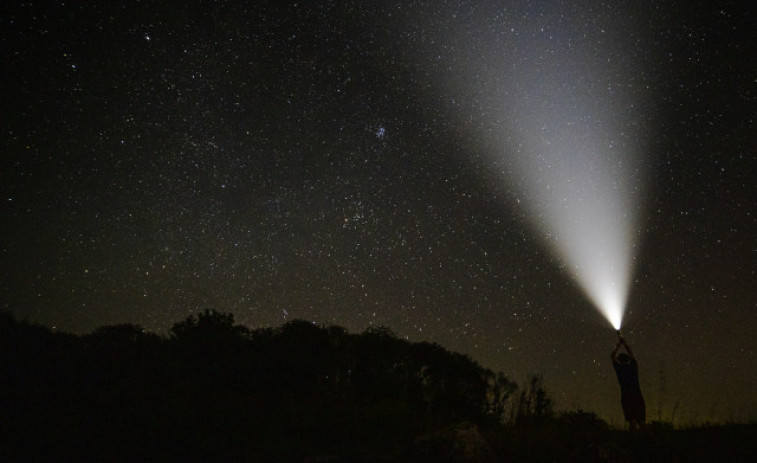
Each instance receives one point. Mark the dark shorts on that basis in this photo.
(634, 407)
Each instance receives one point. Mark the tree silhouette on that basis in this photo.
(500, 390)
(213, 389)
(534, 404)
(209, 326)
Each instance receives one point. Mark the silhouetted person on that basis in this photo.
(627, 370)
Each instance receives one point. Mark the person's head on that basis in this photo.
(624, 358)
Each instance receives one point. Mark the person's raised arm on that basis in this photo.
(614, 354)
(628, 348)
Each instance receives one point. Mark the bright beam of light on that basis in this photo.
(556, 90)
(584, 207)
(587, 220)
(576, 164)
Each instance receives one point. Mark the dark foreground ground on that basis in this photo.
(214, 391)
(463, 443)
(658, 443)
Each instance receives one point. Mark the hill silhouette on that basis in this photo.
(216, 391)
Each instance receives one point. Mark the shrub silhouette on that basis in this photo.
(215, 390)
(215, 387)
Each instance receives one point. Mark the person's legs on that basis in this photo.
(634, 409)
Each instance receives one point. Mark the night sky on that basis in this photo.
(337, 162)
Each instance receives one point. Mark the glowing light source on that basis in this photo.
(577, 163)
(564, 106)
(586, 213)
(571, 147)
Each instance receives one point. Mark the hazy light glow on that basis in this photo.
(584, 208)
(564, 108)
(560, 107)
(588, 221)
(575, 165)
